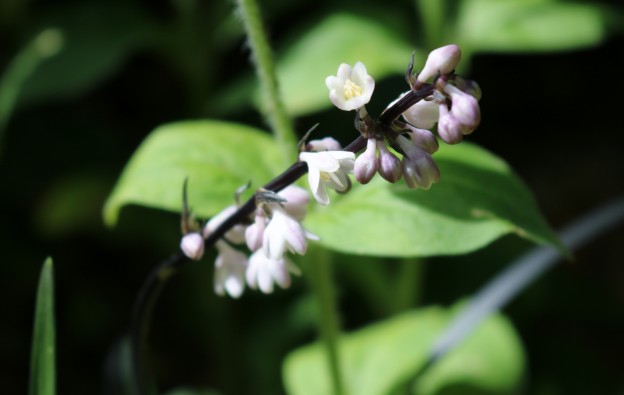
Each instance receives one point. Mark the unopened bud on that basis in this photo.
(366, 164)
(449, 128)
(192, 245)
(464, 107)
(423, 139)
(325, 144)
(420, 171)
(389, 165)
(442, 60)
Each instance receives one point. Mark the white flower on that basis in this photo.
(328, 169)
(284, 233)
(351, 88)
(192, 245)
(230, 267)
(263, 272)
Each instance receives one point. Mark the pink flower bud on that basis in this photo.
(449, 128)
(464, 108)
(423, 139)
(366, 164)
(389, 165)
(192, 245)
(442, 60)
(420, 171)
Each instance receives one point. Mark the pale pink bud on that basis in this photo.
(442, 60)
(366, 164)
(389, 165)
(192, 245)
(464, 107)
(420, 171)
(235, 235)
(449, 128)
(423, 139)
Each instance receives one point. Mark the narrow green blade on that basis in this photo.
(42, 365)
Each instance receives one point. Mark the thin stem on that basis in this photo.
(272, 103)
(141, 320)
(150, 290)
(322, 281)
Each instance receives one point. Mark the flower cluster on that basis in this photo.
(394, 148)
(451, 103)
(275, 230)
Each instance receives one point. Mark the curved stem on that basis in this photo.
(150, 290)
(272, 103)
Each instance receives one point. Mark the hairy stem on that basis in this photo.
(272, 104)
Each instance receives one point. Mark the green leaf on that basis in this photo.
(477, 200)
(339, 38)
(383, 357)
(217, 157)
(93, 47)
(528, 25)
(42, 365)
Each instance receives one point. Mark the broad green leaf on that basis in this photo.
(93, 47)
(383, 357)
(477, 200)
(339, 38)
(528, 25)
(217, 157)
(42, 364)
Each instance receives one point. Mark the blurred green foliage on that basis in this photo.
(125, 68)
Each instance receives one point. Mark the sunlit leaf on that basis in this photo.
(528, 25)
(217, 157)
(383, 357)
(42, 364)
(477, 200)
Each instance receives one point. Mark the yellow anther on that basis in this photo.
(351, 89)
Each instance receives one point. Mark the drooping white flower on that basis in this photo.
(230, 268)
(328, 169)
(351, 88)
(264, 271)
(284, 233)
